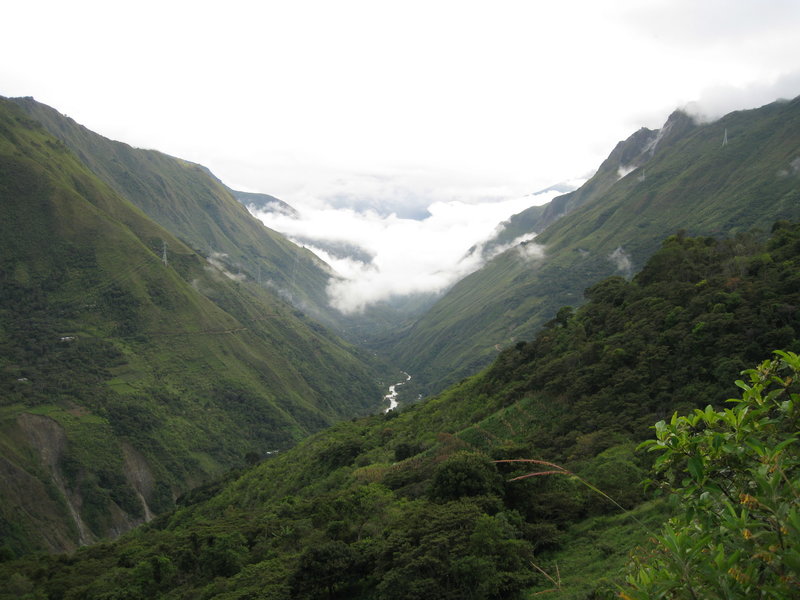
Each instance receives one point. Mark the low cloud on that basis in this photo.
(522, 243)
(717, 101)
(622, 261)
(217, 260)
(624, 170)
(277, 207)
(530, 251)
(394, 256)
(794, 169)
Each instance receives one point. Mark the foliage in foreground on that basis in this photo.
(735, 477)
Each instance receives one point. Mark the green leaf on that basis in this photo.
(695, 467)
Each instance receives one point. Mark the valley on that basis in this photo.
(184, 415)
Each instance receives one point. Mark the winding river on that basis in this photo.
(392, 395)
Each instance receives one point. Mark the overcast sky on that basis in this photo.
(396, 105)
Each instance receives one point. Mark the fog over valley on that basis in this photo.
(395, 256)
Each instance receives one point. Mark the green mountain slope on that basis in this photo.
(679, 178)
(124, 380)
(411, 505)
(189, 201)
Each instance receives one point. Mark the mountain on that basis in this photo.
(201, 211)
(732, 175)
(625, 157)
(132, 367)
(414, 503)
(214, 220)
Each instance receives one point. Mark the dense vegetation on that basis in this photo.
(700, 311)
(679, 178)
(414, 504)
(734, 476)
(123, 380)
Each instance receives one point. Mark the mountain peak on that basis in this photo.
(677, 125)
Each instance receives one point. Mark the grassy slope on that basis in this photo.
(369, 497)
(691, 182)
(176, 369)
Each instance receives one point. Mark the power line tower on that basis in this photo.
(164, 252)
(725, 138)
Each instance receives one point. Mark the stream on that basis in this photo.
(392, 395)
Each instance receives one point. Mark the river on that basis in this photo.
(392, 395)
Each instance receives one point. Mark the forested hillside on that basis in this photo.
(414, 504)
(721, 178)
(133, 368)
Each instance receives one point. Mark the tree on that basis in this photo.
(224, 555)
(454, 551)
(735, 476)
(465, 474)
(324, 570)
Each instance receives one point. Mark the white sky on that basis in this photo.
(395, 104)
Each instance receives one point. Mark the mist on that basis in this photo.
(392, 255)
(717, 101)
(622, 261)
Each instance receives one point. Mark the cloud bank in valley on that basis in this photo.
(398, 256)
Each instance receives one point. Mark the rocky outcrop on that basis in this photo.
(48, 439)
(139, 476)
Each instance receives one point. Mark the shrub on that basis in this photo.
(735, 477)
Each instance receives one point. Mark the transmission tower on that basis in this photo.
(725, 138)
(164, 252)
